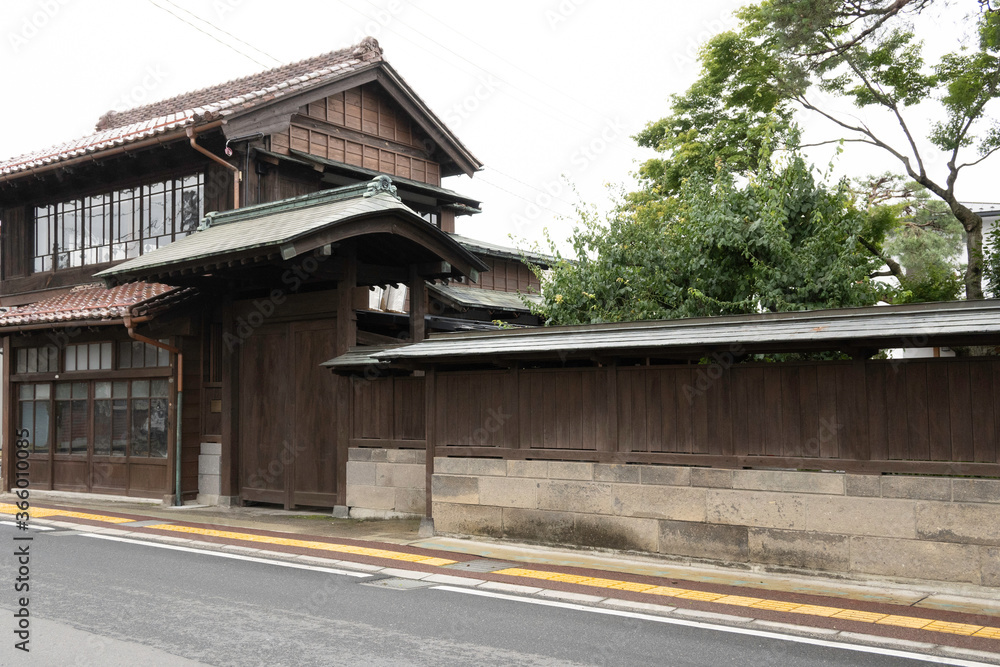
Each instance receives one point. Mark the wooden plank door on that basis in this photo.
(315, 466)
(266, 439)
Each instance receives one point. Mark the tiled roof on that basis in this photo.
(207, 104)
(93, 302)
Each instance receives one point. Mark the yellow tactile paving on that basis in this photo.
(758, 603)
(904, 621)
(989, 633)
(307, 544)
(42, 513)
(964, 629)
(954, 628)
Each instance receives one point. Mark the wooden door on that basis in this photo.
(287, 429)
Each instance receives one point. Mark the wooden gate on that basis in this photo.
(288, 429)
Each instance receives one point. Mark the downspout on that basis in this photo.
(178, 441)
(237, 174)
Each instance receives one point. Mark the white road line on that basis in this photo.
(31, 526)
(220, 554)
(721, 628)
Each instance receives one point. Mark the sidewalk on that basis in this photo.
(957, 621)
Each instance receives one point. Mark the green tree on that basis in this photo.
(721, 245)
(864, 51)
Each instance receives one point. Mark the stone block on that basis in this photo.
(467, 519)
(536, 469)
(209, 464)
(665, 475)
(990, 566)
(570, 470)
(379, 455)
(403, 475)
(877, 517)
(454, 489)
(370, 497)
(800, 548)
(616, 532)
(411, 501)
(211, 448)
(508, 492)
(715, 478)
(975, 490)
(359, 454)
(867, 486)
(704, 540)
(756, 508)
(659, 502)
(616, 472)
(360, 472)
(210, 484)
(915, 559)
(790, 481)
(401, 455)
(588, 497)
(916, 488)
(470, 466)
(966, 523)
(538, 525)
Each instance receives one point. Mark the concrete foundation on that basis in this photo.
(906, 527)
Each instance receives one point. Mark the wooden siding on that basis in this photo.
(387, 412)
(935, 415)
(14, 246)
(506, 275)
(362, 127)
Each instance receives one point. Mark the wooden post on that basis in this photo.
(7, 471)
(347, 319)
(430, 436)
(229, 462)
(418, 306)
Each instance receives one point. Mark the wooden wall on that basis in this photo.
(876, 416)
(365, 128)
(387, 412)
(506, 275)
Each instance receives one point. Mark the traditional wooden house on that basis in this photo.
(174, 280)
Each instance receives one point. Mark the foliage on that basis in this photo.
(864, 51)
(779, 241)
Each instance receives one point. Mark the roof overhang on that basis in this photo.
(871, 328)
(284, 230)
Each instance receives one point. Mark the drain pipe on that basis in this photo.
(178, 441)
(237, 174)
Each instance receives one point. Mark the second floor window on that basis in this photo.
(117, 225)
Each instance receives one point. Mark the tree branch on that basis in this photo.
(894, 268)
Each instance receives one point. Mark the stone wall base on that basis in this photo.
(915, 528)
(386, 483)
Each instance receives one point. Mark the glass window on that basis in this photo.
(71, 418)
(136, 354)
(37, 359)
(88, 356)
(117, 225)
(33, 415)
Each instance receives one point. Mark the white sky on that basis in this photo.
(538, 90)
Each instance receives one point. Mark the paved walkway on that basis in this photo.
(956, 620)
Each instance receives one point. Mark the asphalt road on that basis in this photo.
(105, 603)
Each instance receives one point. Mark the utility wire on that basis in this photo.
(224, 32)
(204, 32)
